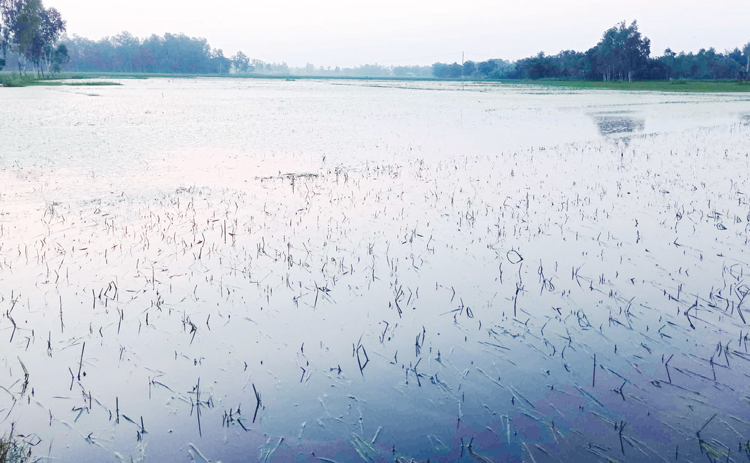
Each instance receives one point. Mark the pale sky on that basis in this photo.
(393, 32)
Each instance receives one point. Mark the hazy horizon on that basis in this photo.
(337, 33)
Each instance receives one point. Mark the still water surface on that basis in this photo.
(477, 272)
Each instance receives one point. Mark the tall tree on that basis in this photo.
(621, 53)
(59, 58)
(30, 30)
(28, 20)
(241, 62)
(125, 48)
(470, 67)
(221, 62)
(42, 47)
(8, 16)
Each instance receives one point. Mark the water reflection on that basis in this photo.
(618, 123)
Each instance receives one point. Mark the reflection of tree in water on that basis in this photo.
(609, 125)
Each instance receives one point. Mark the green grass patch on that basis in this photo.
(691, 86)
(18, 81)
(14, 450)
(686, 86)
(10, 80)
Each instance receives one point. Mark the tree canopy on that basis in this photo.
(32, 32)
(170, 53)
(623, 53)
(36, 36)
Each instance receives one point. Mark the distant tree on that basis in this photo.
(402, 71)
(5, 33)
(125, 50)
(721, 66)
(4, 41)
(371, 70)
(570, 63)
(59, 58)
(221, 63)
(735, 55)
(42, 46)
(668, 60)
(8, 17)
(486, 67)
(455, 70)
(564, 65)
(256, 65)
(27, 21)
(240, 62)
(412, 71)
(171, 53)
(655, 69)
(440, 70)
(29, 30)
(495, 68)
(746, 52)
(620, 54)
(470, 68)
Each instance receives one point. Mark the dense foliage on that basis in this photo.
(178, 53)
(708, 64)
(126, 53)
(622, 54)
(31, 33)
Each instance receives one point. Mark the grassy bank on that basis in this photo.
(10, 80)
(685, 86)
(691, 86)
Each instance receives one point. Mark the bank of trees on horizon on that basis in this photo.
(622, 54)
(178, 53)
(29, 34)
(32, 36)
(171, 53)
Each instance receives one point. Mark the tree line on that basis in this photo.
(34, 37)
(29, 32)
(178, 53)
(171, 53)
(622, 54)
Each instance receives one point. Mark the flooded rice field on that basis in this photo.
(337, 271)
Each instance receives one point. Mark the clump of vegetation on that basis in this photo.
(31, 32)
(29, 81)
(19, 81)
(622, 54)
(13, 450)
(685, 86)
